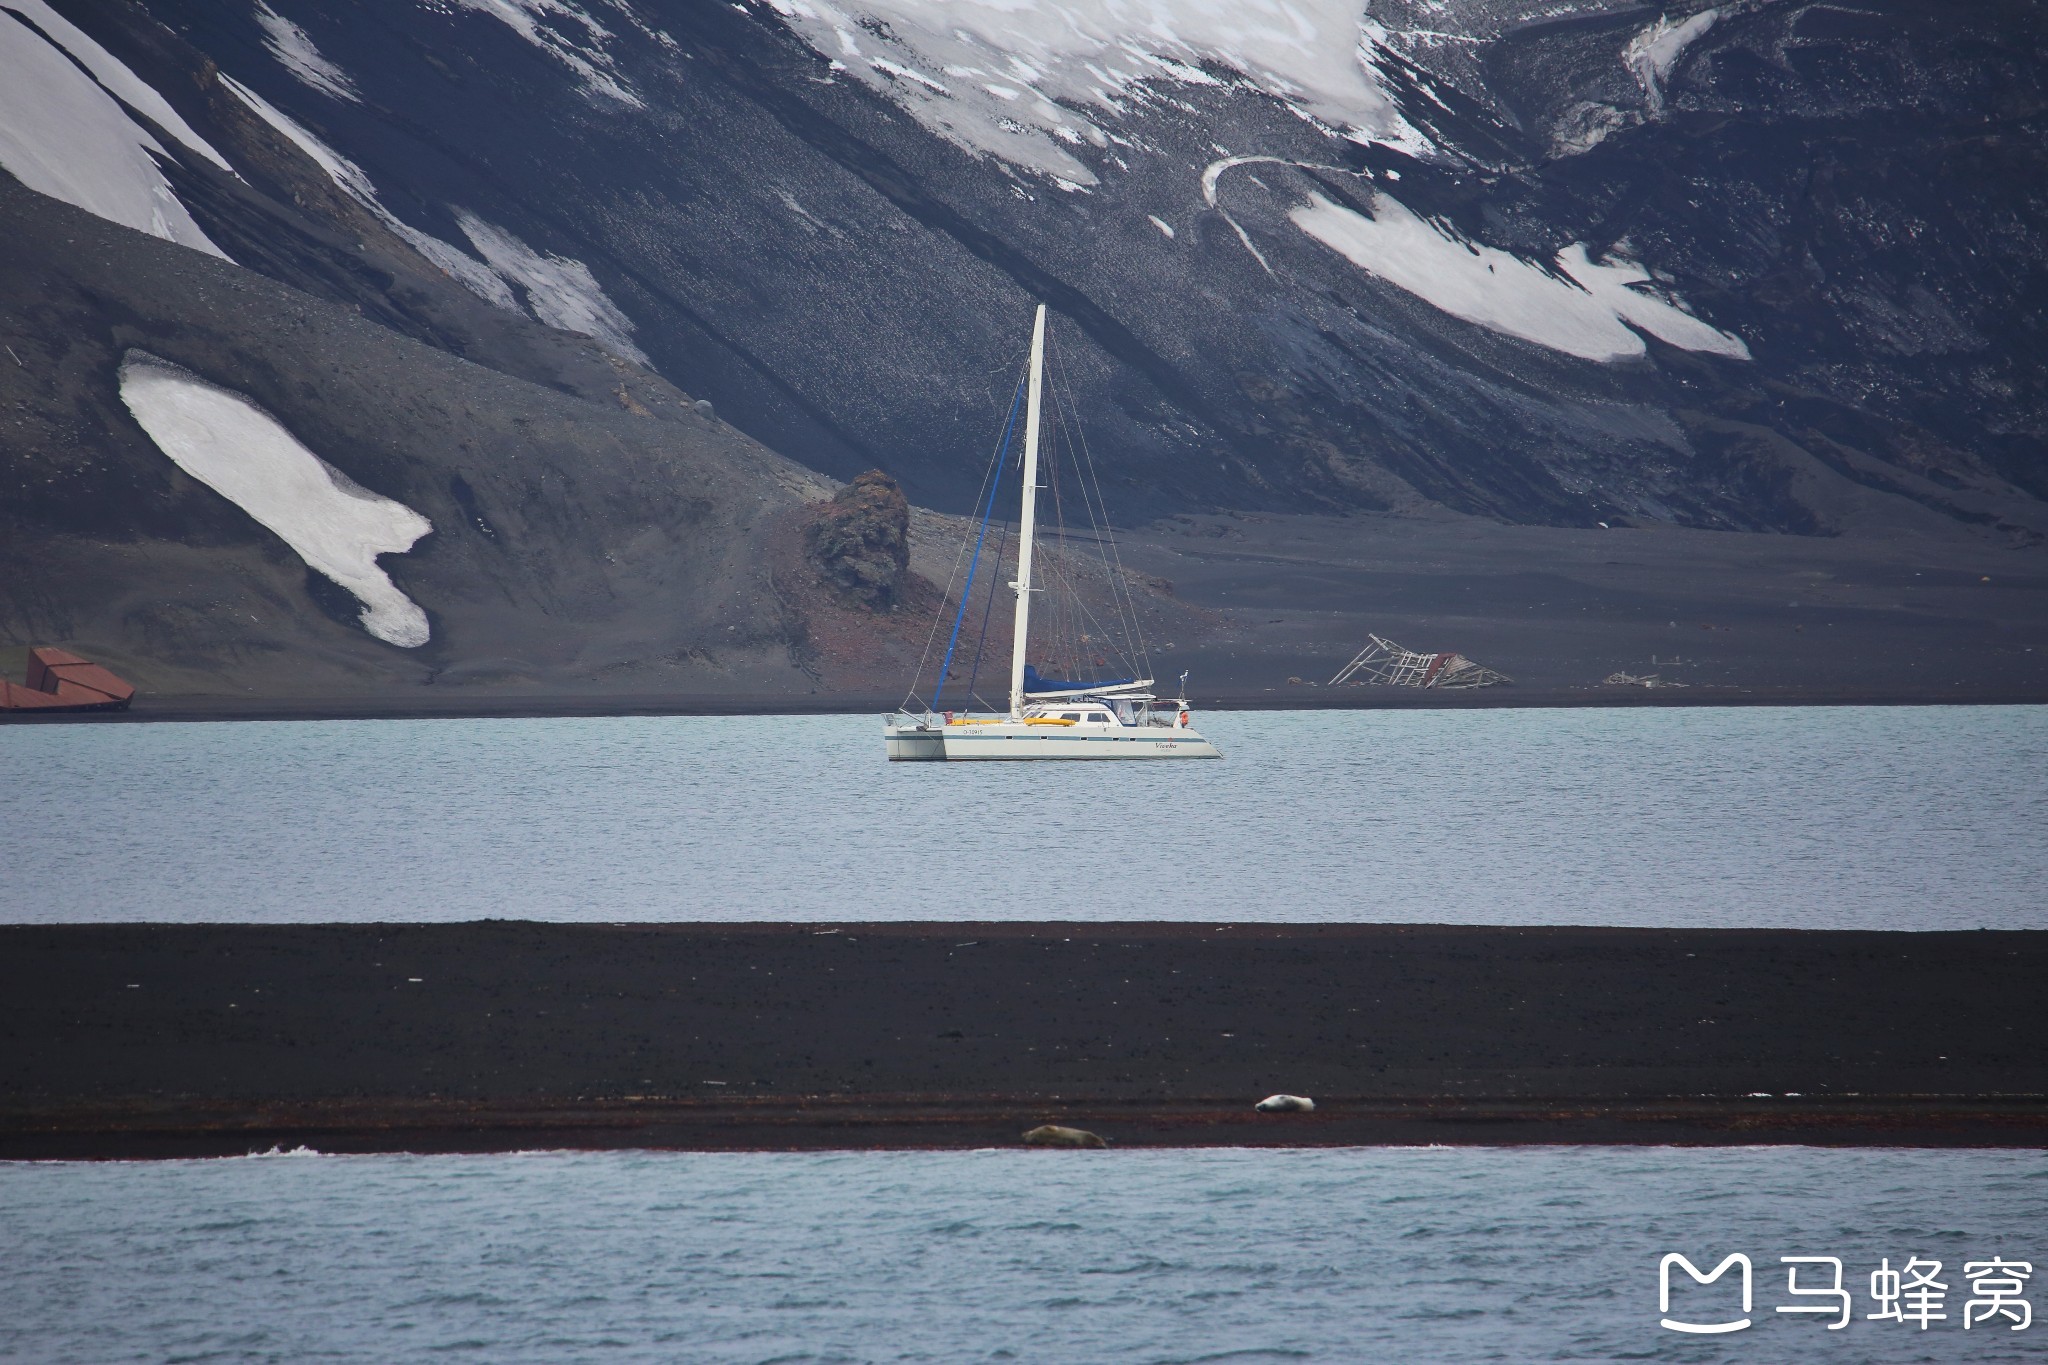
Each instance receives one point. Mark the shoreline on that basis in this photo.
(148, 709)
(822, 1123)
(160, 1040)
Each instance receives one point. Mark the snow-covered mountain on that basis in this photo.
(1758, 265)
(1558, 260)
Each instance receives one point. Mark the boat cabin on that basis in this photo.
(1122, 711)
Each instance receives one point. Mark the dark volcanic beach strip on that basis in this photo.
(160, 1040)
(461, 705)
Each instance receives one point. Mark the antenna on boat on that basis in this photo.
(1029, 518)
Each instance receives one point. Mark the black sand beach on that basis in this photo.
(421, 705)
(1247, 603)
(155, 1040)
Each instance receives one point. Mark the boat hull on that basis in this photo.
(1009, 741)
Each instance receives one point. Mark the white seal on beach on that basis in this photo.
(1286, 1104)
(1052, 1135)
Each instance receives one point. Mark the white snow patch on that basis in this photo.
(562, 292)
(1315, 56)
(241, 452)
(287, 42)
(1584, 315)
(457, 264)
(115, 77)
(789, 201)
(1611, 283)
(63, 135)
(565, 33)
(1586, 125)
(1161, 224)
(1653, 52)
(465, 269)
(1212, 174)
(1650, 56)
(889, 68)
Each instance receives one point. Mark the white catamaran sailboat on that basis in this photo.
(1048, 717)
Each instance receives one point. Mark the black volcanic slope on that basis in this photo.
(1861, 196)
(150, 1039)
(574, 536)
(1858, 195)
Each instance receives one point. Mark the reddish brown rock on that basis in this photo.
(860, 541)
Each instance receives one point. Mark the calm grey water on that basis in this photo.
(1419, 1255)
(1822, 817)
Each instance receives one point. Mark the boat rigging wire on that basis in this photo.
(1127, 643)
(988, 609)
(994, 481)
(1072, 638)
(993, 472)
(1113, 563)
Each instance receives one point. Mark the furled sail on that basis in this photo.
(1035, 686)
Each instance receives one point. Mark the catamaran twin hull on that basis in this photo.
(914, 742)
(1047, 718)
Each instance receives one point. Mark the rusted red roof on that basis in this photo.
(61, 681)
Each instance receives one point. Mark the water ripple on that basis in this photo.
(1805, 817)
(744, 1258)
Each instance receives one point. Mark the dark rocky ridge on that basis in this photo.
(1859, 197)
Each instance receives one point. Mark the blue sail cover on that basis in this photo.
(1033, 684)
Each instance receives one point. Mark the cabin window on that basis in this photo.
(1070, 715)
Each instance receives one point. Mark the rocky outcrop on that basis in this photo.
(860, 541)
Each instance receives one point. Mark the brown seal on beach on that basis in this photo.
(1052, 1135)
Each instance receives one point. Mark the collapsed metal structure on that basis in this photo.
(1620, 679)
(60, 681)
(1387, 664)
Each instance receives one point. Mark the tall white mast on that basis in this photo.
(1030, 516)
